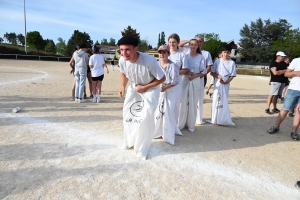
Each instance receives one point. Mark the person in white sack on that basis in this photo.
(142, 95)
(191, 87)
(223, 71)
(165, 121)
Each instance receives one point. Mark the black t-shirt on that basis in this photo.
(279, 66)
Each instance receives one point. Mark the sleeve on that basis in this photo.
(233, 70)
(122, 65)
(86, 59)
(215, 66)
(184, 62)
(91, 60)
(174, 74)
(292, 66)
(209, 60)
(156, 70)
(203, 70)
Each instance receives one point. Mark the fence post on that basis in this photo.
(16, 56)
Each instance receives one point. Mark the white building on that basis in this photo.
(234, 52)
(108, 52)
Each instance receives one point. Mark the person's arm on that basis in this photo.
(71, 63)
(124, 81)
(164, 88)
(276, 73)
(104, 65)
(182, 43)
(228, 80)
(91, 66)
(153, 83)
(192, 77)
(291, 73)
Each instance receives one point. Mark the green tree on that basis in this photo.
(112, 42)
(1, 40)
(35, 40)
(257, 39)
(50, 46)
(97, 43)
(78, 38)
(289, 43)
(159, 41)
(130, 31)
(61, 46)
(212, 43)
(21, 39)
(104, 41)
(143, 45)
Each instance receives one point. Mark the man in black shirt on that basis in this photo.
(278, 80)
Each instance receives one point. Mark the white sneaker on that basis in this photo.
(72, 98)
(81, 100)
(98, 99)
(94, 99)
(76, 99)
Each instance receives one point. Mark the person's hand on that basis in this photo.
(107, 71)
(140, 88)
(296, 73)
(192, 77)
(220, 77)
(72, 71)
(122, 92)
(162, 88)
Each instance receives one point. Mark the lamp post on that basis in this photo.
(25, 28)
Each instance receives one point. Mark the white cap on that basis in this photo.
(280, 53)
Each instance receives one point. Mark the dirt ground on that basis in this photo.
(58, 149)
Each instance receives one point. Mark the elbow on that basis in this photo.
(162, 79)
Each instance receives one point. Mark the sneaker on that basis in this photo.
(94, 99)
(282, 99)
(210, 95)
(268, 111)
(76, 99)
(81, 100)
(291, 114)
(275, 110)
(91, 96)
(72, 98)
(298, 184)
(294, 136)
(84, 96)
(207, 92)
(98, 99)
(273, 130)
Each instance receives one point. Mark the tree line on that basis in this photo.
(258, 43)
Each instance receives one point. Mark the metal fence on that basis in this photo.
(34, 57)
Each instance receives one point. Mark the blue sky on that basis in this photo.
(106, 19)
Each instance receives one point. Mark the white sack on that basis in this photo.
(220, 108)
(138, 119)
(200, 103)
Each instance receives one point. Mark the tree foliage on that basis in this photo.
(257, 39)
(78, 38)
(50, 46)
(61, 46)
(143, 45)
(1, 40)
(11, 37)
(212, 43)
(161, 39)
(21, 39)
(289, 43)
(104, 41)
(112, 42)
(35, 40)
(130, 31)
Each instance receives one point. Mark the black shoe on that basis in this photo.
(273, 130)
(268, 111)
(298, 184)
(91, 96)
(291, 114)
(84, 96)
(275, 110)
(207, 92)
(294, 136)
(210, 95)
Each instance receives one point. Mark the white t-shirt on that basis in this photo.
(143, 71)
(197, 64)
(179, 59)
(295, 81)
(171, 72)
(224, 68)
(208, 61)
(97, 61)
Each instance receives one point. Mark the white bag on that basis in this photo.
(138, 119)
(200, 103)
(220, 108)
(165, 122)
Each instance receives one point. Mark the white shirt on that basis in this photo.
(208, 61)
(196, 64)
(295, 81)
(179, 59)
(171, 72)
(224, 68)
(97, 61)
(142, 71)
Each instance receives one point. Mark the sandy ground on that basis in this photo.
(58, 149)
